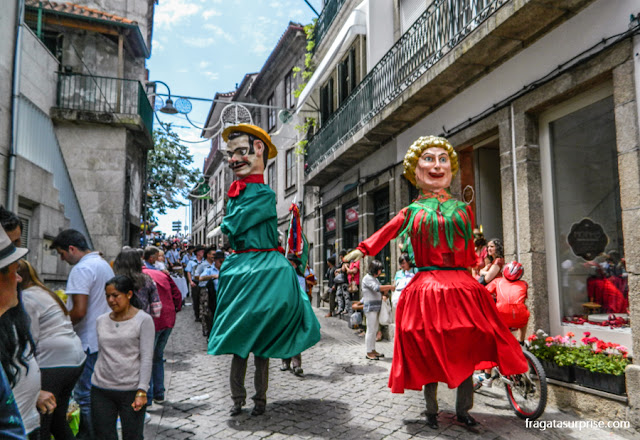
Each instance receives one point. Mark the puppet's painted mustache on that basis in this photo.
(237, 165)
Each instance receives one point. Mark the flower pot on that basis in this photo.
(601, 381)
(555, 371)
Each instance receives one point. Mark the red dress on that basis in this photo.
(447, 324)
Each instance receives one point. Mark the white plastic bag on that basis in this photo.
(385, 313)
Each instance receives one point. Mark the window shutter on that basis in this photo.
(410, 10)
(352, 70)
(24, 238)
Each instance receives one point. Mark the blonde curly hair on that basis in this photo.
(416, 149)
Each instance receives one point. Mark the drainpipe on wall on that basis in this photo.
(15, 95)
(515, 181)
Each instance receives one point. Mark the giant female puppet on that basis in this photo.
(447, 325)
(261, 308)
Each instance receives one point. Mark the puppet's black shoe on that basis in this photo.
(432, 421)
(466, 419)
(258, 410)
(236, 409)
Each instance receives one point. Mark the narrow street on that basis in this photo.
(342, 396)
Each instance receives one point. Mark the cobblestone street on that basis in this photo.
(342, 395)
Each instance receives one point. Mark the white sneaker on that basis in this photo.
(482, 379)
(147, 418)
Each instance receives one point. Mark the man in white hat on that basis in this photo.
(11, 426)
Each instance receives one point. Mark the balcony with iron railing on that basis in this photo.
(104, 100)
(328, 14)
(397, 92)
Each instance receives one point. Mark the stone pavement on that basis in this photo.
(342, 396)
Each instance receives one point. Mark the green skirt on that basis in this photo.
(261, 309)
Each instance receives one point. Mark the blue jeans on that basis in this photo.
(156, 387)
(82, 395)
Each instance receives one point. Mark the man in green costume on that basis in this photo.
(261, 307)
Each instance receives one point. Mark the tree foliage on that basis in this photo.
(170, 176)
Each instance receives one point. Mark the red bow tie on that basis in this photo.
(239, 185)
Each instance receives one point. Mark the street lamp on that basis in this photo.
(168, 106)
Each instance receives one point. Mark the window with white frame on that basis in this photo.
(291, 168)
(272, 176)
(289, 100)
(272, 113)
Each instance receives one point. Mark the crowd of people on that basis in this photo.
(99, 342)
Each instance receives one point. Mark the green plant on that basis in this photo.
(303, 129)
(309, 65)
(594, 355)
(603, 357)
(557, 349)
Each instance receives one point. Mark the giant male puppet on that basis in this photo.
(261, 307)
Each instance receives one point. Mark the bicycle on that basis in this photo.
(526, 392)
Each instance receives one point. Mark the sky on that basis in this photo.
(201, 47)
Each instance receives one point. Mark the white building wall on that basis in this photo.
(38, 79)
(380, 30)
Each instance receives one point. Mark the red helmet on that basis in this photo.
(513, 271)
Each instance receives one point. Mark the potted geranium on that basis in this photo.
(602, 365)
(556, 354)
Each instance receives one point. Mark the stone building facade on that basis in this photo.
(80, 125)
(539, 98)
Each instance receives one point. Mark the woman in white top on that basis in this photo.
(402, 278)
(58, 349)
(123, 369)
(372, 302)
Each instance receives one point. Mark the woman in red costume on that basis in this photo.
(447, 324)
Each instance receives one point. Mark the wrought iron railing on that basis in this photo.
(328, 14)
(438, 30)
(100, 94)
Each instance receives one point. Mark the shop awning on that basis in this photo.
(355, 25)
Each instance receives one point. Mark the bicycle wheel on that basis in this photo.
(527, 392)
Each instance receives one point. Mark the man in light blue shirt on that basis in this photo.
(188, 256)
(173, 256)
(208, 300)
(150, 257)
(192, 282)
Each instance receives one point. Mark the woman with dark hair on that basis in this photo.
(59, 350)
(402, 278)
(123, 369)
(495, 252)
(128, 263)
(372, 302)
(21, 367)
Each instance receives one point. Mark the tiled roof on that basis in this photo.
(79, 10)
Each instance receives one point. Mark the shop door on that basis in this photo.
(488, 190)
(381, 217)
(350, 228)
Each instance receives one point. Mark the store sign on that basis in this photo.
(587, 239)
(351, 215)
(330, 224)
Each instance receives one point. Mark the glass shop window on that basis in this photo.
(586, 198)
